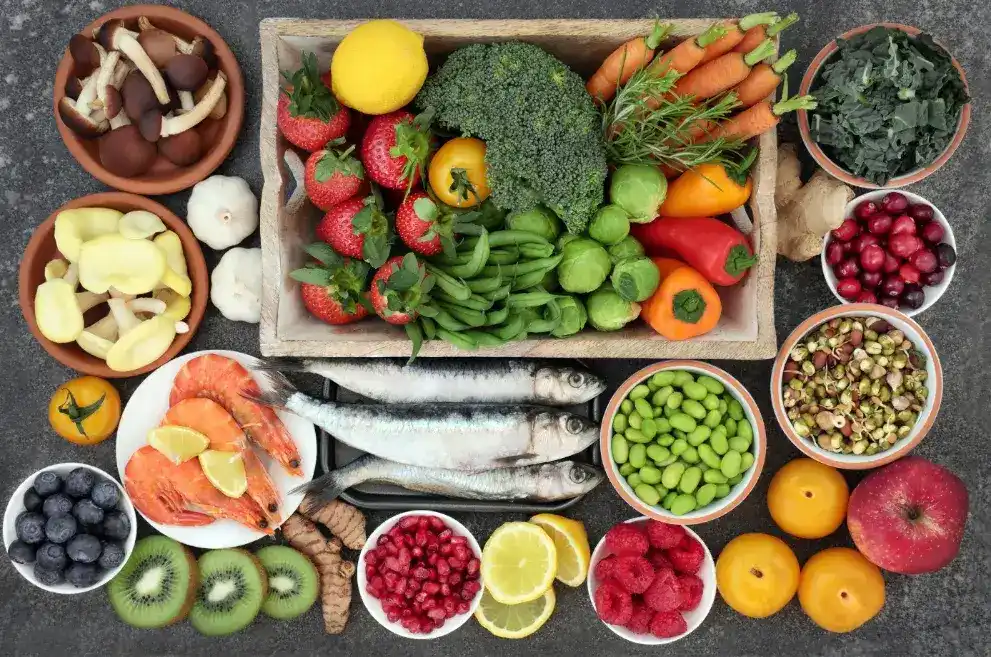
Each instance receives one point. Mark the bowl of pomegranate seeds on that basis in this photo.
(894, 248)
(650, 582)
(419, 576)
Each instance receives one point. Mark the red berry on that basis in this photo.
(658, 560)
(904, 245)
(890, 263)
(625, 539)
(639, 622)
(668, 624)
(933, 232)
(612, 604)
(921, 212)
(604, 569)
(932, 278)
(894, 203)
(903, 224)
(691, 592)
(664, 593)
(862, 241)
(872, 258)
(871, 279)
(890, 302)
(866, 296)
(834, 252)
(848, 288)
(924, 260)
(663, 536)
(892, 286)
(633, 573)
(879, 224)
(865, 209)
(687, 556)
(909, 273)
(847, 230)
(849, 268)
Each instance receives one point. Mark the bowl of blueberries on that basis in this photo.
(69, 528)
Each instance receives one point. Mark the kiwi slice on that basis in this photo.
(233, 586)
(293, 582)
(157, 585)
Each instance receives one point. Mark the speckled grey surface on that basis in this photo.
(948, 613)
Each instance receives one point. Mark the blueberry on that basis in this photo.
(80, 482)
(82, 574)
(21, 552)
(113, 555)
(32, 501)
(87, 513)
(105, 495)
(30, 527)
(59, 529)
(57, 505)
(84, 548)
(116, 525)
(47, 483)
(47, 577)
(51, 557)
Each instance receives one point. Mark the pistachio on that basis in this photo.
(870, 335)
(860, 447)
(801, 429)
(824, 441)
(799, 353)
(873, 348)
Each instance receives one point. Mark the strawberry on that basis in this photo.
(357, 228)
(398, 289)
(427, 227)
(308, 115)
(395, 148)
(333, 176)
(333, 287)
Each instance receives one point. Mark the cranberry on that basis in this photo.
(846, 231)
(909, 273)
(871, 279)
(892, 286)
(834, 252)
(864, 240)
(890, 302)
(872, 258)
(946, 255)
(903, 224)
(848, 288)
(902, 246)
(866, 296)
(924, 260)
(847, 269)
(933, 232)
(932, 278)
(921, 212)
(894, 203)
(890, 263)
(865, 209)
(879, 224)
(913, 296)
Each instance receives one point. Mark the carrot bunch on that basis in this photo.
(617, 69)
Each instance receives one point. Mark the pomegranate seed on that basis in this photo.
(454, 579)
(445, 589)
(456, 564)
(459, 540)
(446, 549)
(846, 231)
(370, 571)
(462, 553)
(420, 539)
(417, 607)
(429, 603)
(392, 549)
(408, 540)
(413, 584)
(450, 606)
(431, 587)
(417, 552)
(401, 585)
(391, 564)
(410, 592)
(371, 558)
(420, 596)
(407, 613)
(393, 616)
(421, 573)
(383, 541)
(463, 607)
(437, 613)
(390, 580)
(472, 566)
(437, 523)
(372, 591)
(378, 582)
(432, 559)
(395, 599)
(439, 623)
(410, 522)
(443, 567)
(442, 579)
(445, 535)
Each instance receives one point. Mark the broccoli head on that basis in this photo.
(541, 129)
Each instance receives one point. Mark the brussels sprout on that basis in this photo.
(573, 317)
(564, 239)
(635, 279)
(607, 311)
(639, 189)
(610, 225)
(584, 267)
(539, 220)
(626, 248)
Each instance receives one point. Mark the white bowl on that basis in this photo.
(374, 606)
(694, 618)
(932, 293)
(16, 506)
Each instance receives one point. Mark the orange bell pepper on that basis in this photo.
(685, 304)
(709, 190)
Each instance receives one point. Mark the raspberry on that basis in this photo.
(626, 540)
(664, 536)
(667, 624)
(639, 622)
(664, 593)
(604, 569)
(658, 560)
(691, 592)
(687, 556)
(633, 573)
(612, 604)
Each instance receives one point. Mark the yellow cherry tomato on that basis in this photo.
(84, 411)
(457, 172)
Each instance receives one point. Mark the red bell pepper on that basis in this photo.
(717, 250)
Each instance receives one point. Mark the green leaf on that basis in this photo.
(71, 409)
(375, 250)
(416, 337)
(425, 209)
(323, 253)
(319, 277)
(363, 220)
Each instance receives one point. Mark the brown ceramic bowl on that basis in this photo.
(41, 249)
(927, 416)
(164, 177)
(836, 170)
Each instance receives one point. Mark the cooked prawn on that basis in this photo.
(213, 421)
(224, 380)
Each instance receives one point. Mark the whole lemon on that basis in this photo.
(378, 67)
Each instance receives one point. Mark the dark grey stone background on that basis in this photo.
(947, 613)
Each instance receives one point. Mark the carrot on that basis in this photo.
(623, 62)
(735, 33)
(682, 58)
(721, 74)
(685, 305)
(759, 118)
(758, 33)
(763, 80)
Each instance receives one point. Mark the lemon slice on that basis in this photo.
(178, 444)
(571, 541)
(519, 563)
(225, 470)
(514, 621)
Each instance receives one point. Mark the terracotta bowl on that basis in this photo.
(164, 177)
(934, 382)
(717, 508)
(834, 169)
(41, 249)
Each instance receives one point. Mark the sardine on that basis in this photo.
(456, 436)
(483, 380)
(546, 483)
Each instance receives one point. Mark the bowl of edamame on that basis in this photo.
(682, 442)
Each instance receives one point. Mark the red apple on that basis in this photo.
(909, 517)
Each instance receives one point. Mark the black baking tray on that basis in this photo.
(386, 497)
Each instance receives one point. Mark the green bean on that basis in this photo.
(526, 267)
(746, 461)
(647, 493)
(650, 475)
(638, 456)
(711, 402)
(719, 443)
(668, 500)
(705, 494)
(744, 430)
(626, 470)
(661, 395)
(527, 281)
(535, 251)
(511, 328)
(530, 299)
(674, 400)
(690, 455)
(639, 392)
(459, 340)
(681, 377)
(713, 419)
(479, 255)
(456, 259)
(454, 287)
(722, 490)
(712, 385)
(657, 453)
(498, 294)
(496, 315)
(517, 237)
(665, 440)
(714, 476)
(739, 444)
(690, 480)
(662, 378)
(620, 449)
(733, 481)
(672, 475)
(683, 422)
(503, 257)
(480, 285)
(635, 436)
(446, 321)
(730, 425)
(634, 419)
(735, 410)
(484, 339)
(643, 407)
(693, 408)
(466, 315)
(619, 423)
(730, 465)
(626, 406)
(683, 504)
(679, 446)
(699, 436)
(633, 479)
(694, 391)
(474, 302)
(709, 456)
(428, 310)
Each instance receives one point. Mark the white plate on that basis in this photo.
(145, 411)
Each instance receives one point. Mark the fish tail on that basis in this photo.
(280, 365)
(275, 390)
(329, 487)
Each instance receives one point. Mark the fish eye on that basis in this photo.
(574, 425)
(578, 474)
(576, 379)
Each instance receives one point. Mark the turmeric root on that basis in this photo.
(342, 519)
(806, 212)
(335, 571)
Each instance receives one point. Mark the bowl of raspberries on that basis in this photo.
(650, 582)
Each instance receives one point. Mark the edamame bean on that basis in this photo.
(711, 402)
(634, 435)
(690, 480)
(639, 392)
(678, 433)
(739, 444)
(666, 462)
(634, 419)
(647, 494)
(650, 475)
(713, 419)
(705, 494)
(712, 385)
(695, 391)
(719, 443)
(723, 406)
(730, 465)
(662, 424)
(665, 440)
(620, 449)
(730, 425)
(681, 377)
(701, 465)
(744, 430)
(634, 480)
(674, 400)
(643, 408)
(626, 470)
(672, 475)
(746, 460)
(626, 406)
(683, 422)
(661, 490)
(714, 477)
(667, 411)
(661, 396)
(657, 453)
(733, 481)
(638, 456)
(722, 490)
(668, 500)
(683, 504)
(662, 378)
(690, 455)
(650, 384)
(735, 410)
(708, 456)
(699, 436)
(679, 446)
(648, 428)
(619, 423)
(693, 408)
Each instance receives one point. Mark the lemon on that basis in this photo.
(571, 541)
(225, 470)
(378, 67)
(514, 621)
(178, 444)
(519, 563)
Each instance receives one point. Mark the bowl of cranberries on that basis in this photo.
(894, 248)
(419, 574)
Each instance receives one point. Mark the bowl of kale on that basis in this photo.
(892, 106)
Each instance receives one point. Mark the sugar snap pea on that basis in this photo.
(446, 321)
(496, 315)
(527, 281)
(479, 254)
(498, 294)
(474, 302)
(638, 456)
(534, 251)
(429, 327)
(468, 316)
(647, 493)
(480, 285)
(520, 268)
(503, 257)
(620, 449)
(530, 299)
(451, 285)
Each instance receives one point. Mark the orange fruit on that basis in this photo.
(808, 499)
(84, 411)
(840, 589)
(757, 574)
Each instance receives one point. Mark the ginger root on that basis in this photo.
(806, 212)
(335, 571)
(342, 519)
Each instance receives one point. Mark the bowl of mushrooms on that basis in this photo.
(113, 285)
(149, 99)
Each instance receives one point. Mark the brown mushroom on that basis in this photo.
(74, 87)
(113, 35)
(85, 56)
(220, 109)
(159, 45)
(182, 149)
(154, 125)
(79, 122)
(138, 95)
(198, 46)
(186, 72)
(126, 153)
(104, 75)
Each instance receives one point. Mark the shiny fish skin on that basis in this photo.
(486, 380)
(545, 483)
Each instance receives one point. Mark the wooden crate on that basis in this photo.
(745, 332)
